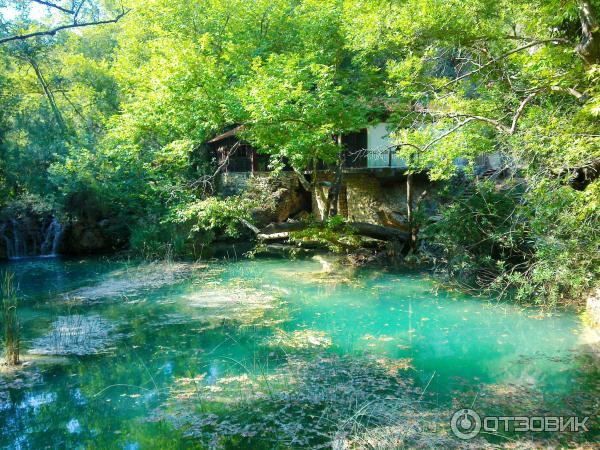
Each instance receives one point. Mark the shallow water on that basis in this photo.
(107, 344)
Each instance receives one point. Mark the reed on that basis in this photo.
(10, 319)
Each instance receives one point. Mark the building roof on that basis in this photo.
(227, 134)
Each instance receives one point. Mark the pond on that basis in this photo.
(272, 353)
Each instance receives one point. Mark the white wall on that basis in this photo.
(379, 145)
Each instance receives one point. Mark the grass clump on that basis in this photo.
(10, 319)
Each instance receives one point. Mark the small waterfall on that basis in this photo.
(52, 238)
(19, 244)
(7, 240)
(27, 237)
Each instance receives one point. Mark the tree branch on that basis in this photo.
(53, 31)
(76, 13)
(496, 123)
(53, 5)
(450, 131)
(589, 47)
(48, 93)
(504, 56)
(578, 95)
(302, 179)
(520, 110)
(518, 113)
(206, 181)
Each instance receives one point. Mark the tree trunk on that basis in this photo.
(379, 232)
(325, 201)
(413, 231)
(334, 190)
(48, 93)
(589, 47)
(281, 231)
(319, 194)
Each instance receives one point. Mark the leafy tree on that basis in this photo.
(109, 121)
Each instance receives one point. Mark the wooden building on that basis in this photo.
(369, 148)
(236, 155)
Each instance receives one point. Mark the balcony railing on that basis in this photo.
(373, 159)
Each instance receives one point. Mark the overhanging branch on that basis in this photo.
(53, 5)
(53, 31)
(504, 56)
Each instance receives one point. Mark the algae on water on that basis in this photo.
(133, 281)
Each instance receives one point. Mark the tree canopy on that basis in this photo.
(112, 117)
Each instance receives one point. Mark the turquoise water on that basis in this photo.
(132, 355)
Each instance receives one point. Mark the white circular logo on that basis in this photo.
(465, 424)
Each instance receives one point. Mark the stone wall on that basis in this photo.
(377, 197)
(374, 196)
(285, 196)
(234, 183)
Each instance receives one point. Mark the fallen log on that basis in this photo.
(281, 231)
(379, 232)
(273, 236)
(284, 227)
(250, 226)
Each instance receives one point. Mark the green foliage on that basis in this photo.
(109, 121)
(333, 234)
(27, 205)
(477, 236)
(207, 217)
(540, 245)
(186, 229)
(565, 236)
(158, 241)
(296, 106)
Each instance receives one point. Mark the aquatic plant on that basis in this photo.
(240, 304)
(10, 319)
(322, 401)
(300, 340)
(75, 335)
(334, 234)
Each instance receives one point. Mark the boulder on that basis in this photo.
(287, 198)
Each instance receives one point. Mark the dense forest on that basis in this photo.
(284, 224)
(105, 107)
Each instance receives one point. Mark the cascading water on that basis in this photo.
(31, 237)
(7, 241)
(52, 238)
(19, 244)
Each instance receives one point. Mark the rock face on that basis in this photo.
(88, 238)
(281, 196)
(286, 199)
